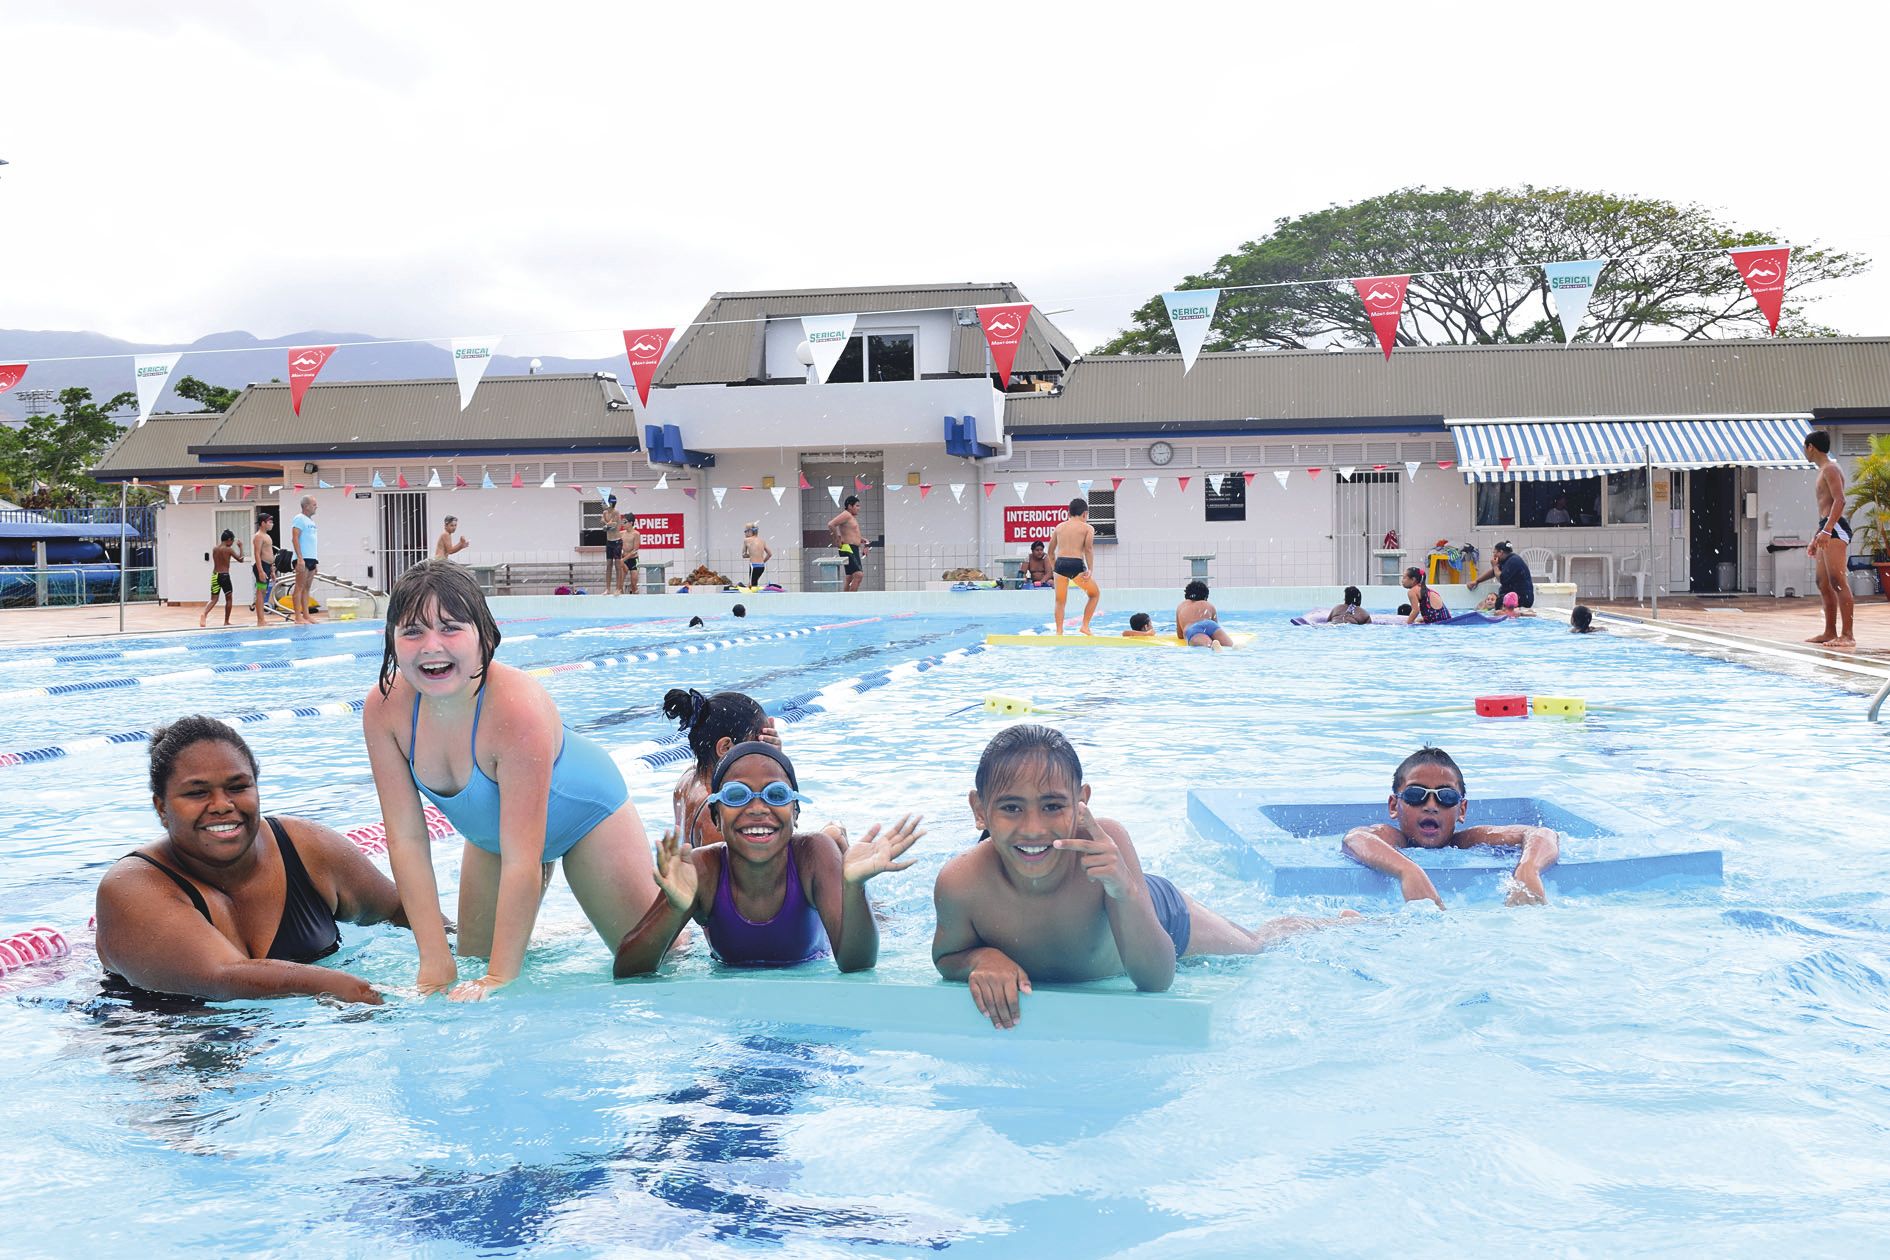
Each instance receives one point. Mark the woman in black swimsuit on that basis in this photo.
(222, 907)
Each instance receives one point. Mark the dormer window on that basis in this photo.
(877, 356)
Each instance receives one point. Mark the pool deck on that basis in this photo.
(52, 625)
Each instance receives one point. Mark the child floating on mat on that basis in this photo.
(714, 724)
(765, 895)
(1350, 611)
(1427, 803)
(1195, 619)
(1057, 894)
(1141, 626)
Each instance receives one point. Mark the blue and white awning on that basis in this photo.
(1558, 450)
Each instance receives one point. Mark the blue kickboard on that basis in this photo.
(1293, 847)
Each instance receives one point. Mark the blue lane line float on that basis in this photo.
(1293, 846)
(52, 752)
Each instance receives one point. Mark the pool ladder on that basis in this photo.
(1876, 704)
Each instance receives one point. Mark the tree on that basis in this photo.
(207, 396)
(46, 458)
(1669, 278)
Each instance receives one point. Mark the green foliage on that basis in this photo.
(207, 396)
(1654, 287)
(47, 458)
(1870, 488)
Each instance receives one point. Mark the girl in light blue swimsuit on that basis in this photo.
(524, 790)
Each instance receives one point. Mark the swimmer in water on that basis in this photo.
(1196, 622)
(713, 725)
(1582, 620)
(1141, 626)
(1427, 803)
(1052, 893)
(766, 895)
(1350, 610)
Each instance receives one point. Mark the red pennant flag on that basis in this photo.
(1505, 461)
(346, 490)
(298, 488)
(644, 348)
(197, 490)
(1446, 464)
(1764, 270)
(249, 492)
(1248, 477)
(989, 486)
(1004, 332)
(859, 483)
(1184, 481)
(10, 374)
(400, 480)
(1378, 468)
(575, 486)
(805, 484)
(925, 488)
(747, 487)
(305, 364)
(518, 481)
(1383, 297)
(1314, 472)
(1049, 483)
(1115, 483)
(459, 482)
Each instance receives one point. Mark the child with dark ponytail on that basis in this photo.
(714, 725)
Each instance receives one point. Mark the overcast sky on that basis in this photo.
(426, 170)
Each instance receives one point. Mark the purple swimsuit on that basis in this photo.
(795, 934)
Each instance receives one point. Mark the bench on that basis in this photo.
(543, 577)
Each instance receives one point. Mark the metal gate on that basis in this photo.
(1365, 508)
(404, 541)
(818, 507)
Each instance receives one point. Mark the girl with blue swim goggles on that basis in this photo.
(736, 795)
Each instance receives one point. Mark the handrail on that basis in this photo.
(368, 593)
(1876, 704)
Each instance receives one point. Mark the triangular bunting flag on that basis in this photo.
(805, 484)
(1049, 483)
(662, 481)
(860, 483)
(471, 357)
(777, 492)
(1314, 472)
(322, 485)
(603, 494)
(1115, 484)
(1184, 482)
(645, 347)
(1505, 462)
(1378, 468)
(1148, 484)
(518, 481)
(1190, 313)
(249, 492)
(305, 364)
(198, 489)
(1214, 482)
(1446, 464)
(223, 492)
(833, 492)
(577, 489)
(1248, 477)
(1383, 297)
(551, 479)
(1083, 484)
(377, 483)
(827, 337)
(400, 480)
(1410, 468)
(1764, 270)
(925, 488)
(689, 492)
(1004, 332)
(1020, 487)
(1571, 284)
(10, 375)
(1281, 475)
(720, 493)
(1347, 471)
(346, 490)
(747, 487)
(276, 490)
(153, 373)
(177, 492)
(434, 482)
(485, 480)
(459, 482)
(989, 486)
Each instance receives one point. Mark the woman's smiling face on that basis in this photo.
(210, 807)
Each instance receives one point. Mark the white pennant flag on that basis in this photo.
(1281, 474)
(471, 357)
(1347, 471)
(603, 494)
(1020, 487)
(1411, 466)
(551, 480)
(274, 491)
(1190, 313)
(433, 482)
(1571, 284)
(826, 336)
(1083, 484)
(154, 373)
(777, 492)
(720, 493)
(1214, 481)
(833, 492)
(223, 492)
(662, 481)
(1148, 484)
(177, 492)
(958, 491)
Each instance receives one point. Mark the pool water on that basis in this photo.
(1698, 1072)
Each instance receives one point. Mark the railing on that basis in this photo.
(66, 585)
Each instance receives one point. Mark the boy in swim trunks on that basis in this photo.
(1073, 559)
(849, 541)
(1051, 892)
(1427, 803)
(262, 551)
(1828, 547)
(227, 549)
(1196, 622)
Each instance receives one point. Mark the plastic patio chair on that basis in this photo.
(1541, 562)
(1634, 565)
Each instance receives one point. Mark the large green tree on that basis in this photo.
(46, 459)
(1669, 278)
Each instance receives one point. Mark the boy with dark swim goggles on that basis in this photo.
(1426, 805)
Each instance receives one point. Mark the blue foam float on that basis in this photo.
(1293, 847)
(819, 996)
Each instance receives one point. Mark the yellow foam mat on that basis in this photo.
(1241, 638)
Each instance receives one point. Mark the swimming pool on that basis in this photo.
(1698, 1071)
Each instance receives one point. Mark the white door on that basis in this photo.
(239, 521)
(1365, 508)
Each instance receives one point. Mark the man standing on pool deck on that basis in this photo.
(1073, 559)
(227, 549)
(1828, 548)
(262, 560)
(302, 541)
(613, 548)
(845, 529)
(450, 543)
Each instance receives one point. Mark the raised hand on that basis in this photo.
(1099, 853)
(676, 871)
(877, 852)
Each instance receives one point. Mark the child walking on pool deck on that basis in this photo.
(1427, 802)
(1052, 893)
(766, 896)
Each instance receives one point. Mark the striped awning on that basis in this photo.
(1559, 450)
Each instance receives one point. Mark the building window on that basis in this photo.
(591, 523)
(877, 356)
(1496, 504)
(1229, 503)
(1102, 512)
(1627, 497)
(1622, 496)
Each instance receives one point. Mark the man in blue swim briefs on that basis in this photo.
(1073, 559)
(1051, 892)
(1427, 803)
(850, 541)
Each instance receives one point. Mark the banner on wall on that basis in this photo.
(1383, 297)
(1764, 270)
(305, 364)
(471, 357)
(10, 375)
(1191, 314)
(1571, 284)
(827, 337)
(1027, 524)
(153, 372)
(645, 347)
(1004, 332)
(664, 529)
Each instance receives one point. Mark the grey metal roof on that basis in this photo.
(1316, 390)
(518, 415)
(712, 351)
(160, 451)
